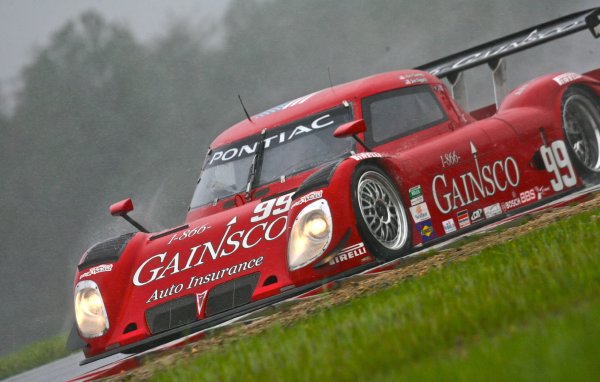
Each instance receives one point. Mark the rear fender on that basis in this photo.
(540, 101)
(546, 92)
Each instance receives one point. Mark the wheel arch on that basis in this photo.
(400, 209)
(587, 103)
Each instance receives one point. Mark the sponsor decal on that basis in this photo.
(493, 210)
(413, 78)
(565, 78)
(188, 233)
(367, 155)
(167, 264)
(308, 197)
(480, 183)
(283, 106)
(420, 212)
(527, 196)
(556, 160)
(450, 159)
(196, 281)
(506, 206)
(279, 136)
(476, 215)
(348, 253)
(415, 194)
(426, 230)
(541, 191)
(411, 75)
(415, 81)
(463, 219)
(97, 269)
(524, 197)
(200, 297)
(449, 225)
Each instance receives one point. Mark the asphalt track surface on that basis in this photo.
(68, 369)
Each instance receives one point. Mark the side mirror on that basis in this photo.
(122, 208)
(352, 129)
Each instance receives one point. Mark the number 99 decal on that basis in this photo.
(272, 207)
(556, 158)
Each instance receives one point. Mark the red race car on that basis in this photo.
(338, 181)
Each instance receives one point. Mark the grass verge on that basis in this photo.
(554, 347)
(33, 355)
(476, 315)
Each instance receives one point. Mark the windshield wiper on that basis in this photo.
(256, 164)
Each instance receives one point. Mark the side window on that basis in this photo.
(398, 113)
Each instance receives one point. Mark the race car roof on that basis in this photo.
(445, 67)
(323, 100)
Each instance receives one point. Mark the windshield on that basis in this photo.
(289, 149)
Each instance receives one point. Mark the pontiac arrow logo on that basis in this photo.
(200, 301)
(473, 149)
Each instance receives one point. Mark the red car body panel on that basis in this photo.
(458, 174)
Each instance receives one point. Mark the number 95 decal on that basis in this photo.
(556, 160)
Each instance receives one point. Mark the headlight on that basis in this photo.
(311, 234)
(89, 310)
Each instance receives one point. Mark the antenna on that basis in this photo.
(331, 82)
(244, 107)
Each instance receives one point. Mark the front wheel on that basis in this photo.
(581, 125)
(381, 217)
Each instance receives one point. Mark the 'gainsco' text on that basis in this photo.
(163, 264)
(469, 187)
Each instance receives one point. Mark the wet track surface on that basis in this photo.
(63, 369)
(68, 369)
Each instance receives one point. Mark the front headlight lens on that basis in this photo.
(310, 235)
(315, 226)
(89, 310)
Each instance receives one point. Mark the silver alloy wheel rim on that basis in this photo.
(382, 210)
(581, 121)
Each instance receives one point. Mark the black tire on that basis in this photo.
(581, 126)
(381, 217)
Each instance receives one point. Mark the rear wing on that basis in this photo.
(491, 53)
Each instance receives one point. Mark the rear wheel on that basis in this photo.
(581, 125)
(381, 217)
